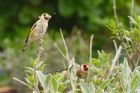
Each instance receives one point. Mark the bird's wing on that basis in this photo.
(30, 32)
(32, 29)
(33, 26)
(27, 39)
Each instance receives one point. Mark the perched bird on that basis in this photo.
(81, 70)
(38, 29)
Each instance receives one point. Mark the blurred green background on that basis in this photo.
(77, 18)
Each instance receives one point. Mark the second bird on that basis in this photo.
(38, 29)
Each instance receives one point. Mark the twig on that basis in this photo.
(90, 57)
(37, 60)
(60, 51)
(69, 61)
(131, 12)
(90, 49)
(115, 45)
(136, 63)
(20, 81)
(66, 49)
(117, 55)
(115, 13)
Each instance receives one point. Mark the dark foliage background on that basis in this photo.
(17, 16)
(77, 18)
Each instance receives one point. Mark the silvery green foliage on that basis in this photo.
(130, 80)
(103, 76)
(49, 82)
(72, 74)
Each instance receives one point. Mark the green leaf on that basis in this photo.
(39, 64)
(34, 91)
(133, 20)
(28, 81)
(41, 78)
(33, 63)
(125, 76)
(84, 88)
(103, 86)
(48, 82)
(54, 85)
(48, 79)
(92, 87)
(134, 81)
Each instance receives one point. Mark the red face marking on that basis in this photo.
(86, 66)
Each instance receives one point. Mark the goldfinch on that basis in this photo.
(38, 29)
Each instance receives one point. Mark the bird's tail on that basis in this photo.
(26, 44)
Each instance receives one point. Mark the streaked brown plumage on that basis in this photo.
(38, 29)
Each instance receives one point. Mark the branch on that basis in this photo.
(66, 49)
(115, 13)
(16, 79)
(115, 59)
(90, 57)
(131, 12)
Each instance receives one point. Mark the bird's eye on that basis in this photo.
(44, 14)
(46, 18)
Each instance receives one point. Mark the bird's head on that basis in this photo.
(45, 16)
